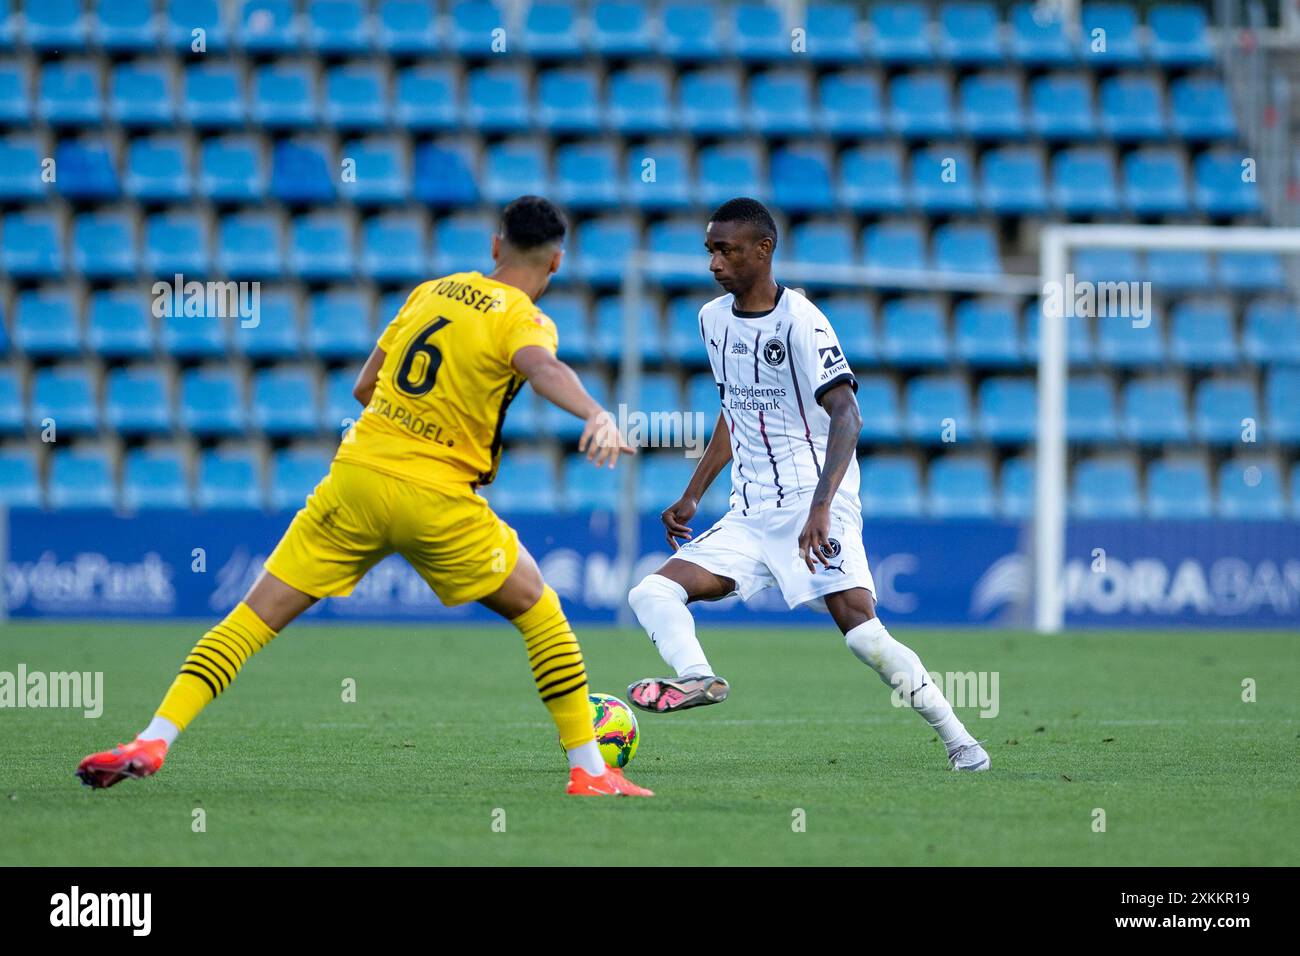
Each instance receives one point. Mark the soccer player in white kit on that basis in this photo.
(789, 427)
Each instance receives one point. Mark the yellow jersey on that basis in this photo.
(441, 397)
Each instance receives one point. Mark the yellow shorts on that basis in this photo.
(356, 516)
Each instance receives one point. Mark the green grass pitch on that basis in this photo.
(447, 736)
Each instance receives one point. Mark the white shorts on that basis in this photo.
(761, 550)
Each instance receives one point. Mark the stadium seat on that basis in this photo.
(525, 482)
(176, 242)
(900, 32)
(938, 406)
(1218, 187)
(212, 402)
(338, 26)
(190, 337)
(395, 247)
(586, 488)
(154, 478)
(1016, 489)
(1282, 404)
(15, 95)
(249, 246)
(232, 169)
(569, 101)
(1200, 110)
(321, 247)
(709, 103)
(1119, 42)
(640, 102)
(140, 94)
(381, 174)
(339, 407)
(404, 27)
(1221, 406)
(103, 246)
(284, 402)
(13, 412)
(338, 325)
(921, 105)
(497, 100)
(883, 421)
(356, 97)
(1107, 265)
(119, 324)
(1060, 107)
(20, 485)
(850, 104)
(896, 245)
(1155, 411)
(427, 98)
(966, 248)
(277, 333)
(1250, 271)
(66, 394)
(158, 170)
(1039, 36)
(1132, 108)
(553, 30)
(1014, 181)
(31, 245)
(269, 26)
(137, 400)
(1179, 36)
(960, 486)
(1083, 182)
(229, 478)
(443, 176)
(600, 249)
(658, 176)
(1155, 182)
(568, 310)
(55, 25)
(679, 237)
(1202, 333)
(80, 479)
(46, 323)
(587, 176)
(854, 320)
(661, 471)
(609, 338)
(826, 242)
(1090, 409)
(20, 169)
(684, 340)
(780, 103)
(873, 179)
(301, 171)
(86, 170)
(969, 33)
(726, 170)
(284, 96)
(620, 28)
(460, 243)
(1250, 489)
(689, 31)
(294, 473)
(992, 106)
(1271, 331)
(1179, 270)
(1123, 343)
(127, 26)
(833, 33)
(1179, 488)
(914, 332)
(757, 33)
(986, 333)
(194, 22)
(1106, 487)
(473, 27)
(213, 96)
(1008, 409)
(890, 487)
(943, 180)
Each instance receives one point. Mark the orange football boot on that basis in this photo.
(611, 783)
(139, 758)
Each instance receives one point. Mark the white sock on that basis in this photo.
(900, 668)
(587, 756)
(660, 606)
(160, 728)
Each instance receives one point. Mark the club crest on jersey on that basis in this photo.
(832, 549)
(774, 352)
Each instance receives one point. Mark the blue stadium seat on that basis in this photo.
(339, 26)
(1179, 269)
(340, 408)
(1218, 186)
(20, 169)
(1107, 265)
(873, 179)
(709, 103)
(1119, 43)
(284, 96)
(1155, 182)
(1155, 411)
(934, 404)
(1125, 345)
(497, 100)
(176, 242)
(679, 237)
(1014, 181)
(729, 169)
(103, 245)
(1200, 110)
(395, 248)
(86, 170)
(46, 323)
(127, 26)
(473, 26)
(81, 479)
(66, 394)
(8, 24)
(1016, 489)
(960, 486)
(609, 338)
(833, 33)
(890, 487)
(1219, 408)
(55, 25)
(338, 325)
(689, 31)
(1106, 487)
(660, 392)
(850, 104)
(1039, 37)
(854, 321)
(966, 248)
(249, 246)
(154, 478)
(621, 29)
(119, 324)
(284, 402)
(1179, 36)
(381, 171)
(568, 310)
(212, 402)
(427, 97)
(601, 248)
(900, 32)
(992, 106)
(1282, 404)
(702, 395)
(406, 27)
(137, 400)
(1202, 333)
(826, 242)
(321, 247)
(1083, 182)
(587, 175)
(13, 413)
(140, 94)
(1179, 488)
(525, 483)
(882, 422)
(1271, 331)
(232, 169)
(158, 170)
(20, 484)
(1008, 409)
(913, 332)
(302, 171)
(568, 101)
(897, 245)
(1132, 108)
(943, 180)
(664, 186)
(461, 242)
(684, 340)
(1061, 108)
(269, 26)
(1250, 271)
(758, 34)
(661, 471)
(294, 474)
(31, 245)
(1250, 489)
(356, 97)
(229, 478)
(586, 488)
(1090, 409)
(921, 105)
(277, 334)
(553, 30)
(969, 33)
(780, 102)
(986, 333)
(640, 101)
(213, 96)
(186, 17)
(443, 176)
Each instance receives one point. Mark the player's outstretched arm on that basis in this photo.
(841, 444)
(560, 385)
(716, 457)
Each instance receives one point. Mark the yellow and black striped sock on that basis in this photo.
(556, 661)
(213, 664)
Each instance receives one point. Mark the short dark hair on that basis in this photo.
(532, 221)
(744, 209)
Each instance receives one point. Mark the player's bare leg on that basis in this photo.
(660, 604)
(556, 661)
(854, 612)
(268, 607)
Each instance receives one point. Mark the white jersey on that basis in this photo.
(771, 369)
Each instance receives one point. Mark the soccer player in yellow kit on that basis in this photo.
(435, 389)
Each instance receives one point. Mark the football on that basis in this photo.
(617, 734)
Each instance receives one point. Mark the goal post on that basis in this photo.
(1057, 244)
